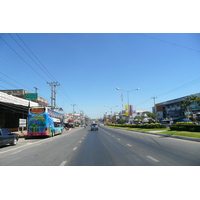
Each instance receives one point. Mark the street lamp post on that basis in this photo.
(110, 109)
(128, 95)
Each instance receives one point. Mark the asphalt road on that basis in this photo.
(105, 147)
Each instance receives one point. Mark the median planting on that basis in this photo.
(143, 126)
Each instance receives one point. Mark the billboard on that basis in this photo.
(128, 110)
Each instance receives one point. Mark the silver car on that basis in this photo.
(94, 127)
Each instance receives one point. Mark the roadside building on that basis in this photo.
(23, 93)
(173, 111)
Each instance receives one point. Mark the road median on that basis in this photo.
(185, 135)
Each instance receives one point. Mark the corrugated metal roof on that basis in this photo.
(6, 98)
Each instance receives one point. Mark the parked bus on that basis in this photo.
(42, 121)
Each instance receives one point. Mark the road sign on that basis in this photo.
(31, 96)
(22, 122)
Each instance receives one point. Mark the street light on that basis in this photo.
(128, 92)
(128, 95)
(110, 108)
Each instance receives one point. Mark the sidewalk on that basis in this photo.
(20, 134)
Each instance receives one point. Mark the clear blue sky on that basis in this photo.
(89, 67)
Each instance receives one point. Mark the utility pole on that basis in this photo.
(155, 111)
(53, 93)
(73, 109)
(36, 89)
(154, 103)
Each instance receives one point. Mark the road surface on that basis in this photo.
(105, 147)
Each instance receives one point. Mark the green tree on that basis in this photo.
(152, 115)
(185, 104)
(139, 118)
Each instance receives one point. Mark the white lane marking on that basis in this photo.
(63, 163)
(155, 160)
(15, 152)
(15, 148)
(74, 148)
(82, 137)
(119, 139)
(80, 141)
(129, 145)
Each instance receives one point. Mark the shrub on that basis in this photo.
(173, 127)
(193, 129)
(181, 128)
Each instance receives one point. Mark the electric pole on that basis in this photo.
(53, 93)
(154, 103)
(155, 110)
(36, 89)
(73, 109)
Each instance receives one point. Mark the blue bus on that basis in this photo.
(43, 121)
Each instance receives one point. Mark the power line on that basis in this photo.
(28, 55)
(16, 81)
(174, 44)
(23, 59)
(34, 62)
(37, 59)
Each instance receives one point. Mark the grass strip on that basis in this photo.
(164, 131)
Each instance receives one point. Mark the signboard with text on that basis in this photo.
(22, 122)
(31, 96)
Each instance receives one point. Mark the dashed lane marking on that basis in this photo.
(80, 141)
(129, 145)
(63, 163)
(74, 148)
(155, 160)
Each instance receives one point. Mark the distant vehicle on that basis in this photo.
(165, 123)
(6, 137)
(94, 127)
(42, 121)
(184, 120)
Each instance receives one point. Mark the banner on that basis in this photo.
(128, 110)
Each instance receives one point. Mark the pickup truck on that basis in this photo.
(6, 137)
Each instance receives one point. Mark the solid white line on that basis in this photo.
(15, 148)
(155, 160)
(74, 148)
(63, 163)
(129, 145)
(15, 152)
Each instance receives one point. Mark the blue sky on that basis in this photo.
(89, 67)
